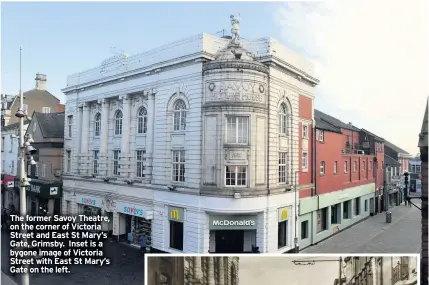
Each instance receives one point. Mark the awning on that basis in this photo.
(43, 189)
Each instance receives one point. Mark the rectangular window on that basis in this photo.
(354, 166)
(304, 229)
(95, 162)
(357, 206)
(321, 136)
(179, 165)
(176, 235)
(116, 154)
(140, 158)
(366, 205)
(345, 166)
(322, 168)
(68, 161)
(335, 214)
(46, 110)
(346, 210)
(335, 167)
(304, 160)
(305, 131)
(236, 176)
(283, 167)
(43, 170)
(282, 234)
(322, 220)
(418, 169)
(70, 126)
(237, 130)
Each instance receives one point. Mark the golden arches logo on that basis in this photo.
(174, 214)
(284, 214)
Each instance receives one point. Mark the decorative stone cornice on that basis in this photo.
(235, 64)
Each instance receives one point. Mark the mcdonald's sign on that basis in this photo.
(176, 214)
(283, 214)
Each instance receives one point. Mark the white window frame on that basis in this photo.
(305, 131)
(335, 167)
(97, 125)
(236, 172)
(43, 170)
(322, 168)
(118, 122)
(115, 165)
(345, 166)
(46, 110)
(179, 115)
(283, 169)
(142, 120)
(68, 161)
(304, 160)
(95, 154)
(140, 163)
(70, 126)
(321, 136)
(234, 122)
(177, 166)
(284, 120)
(418, 169)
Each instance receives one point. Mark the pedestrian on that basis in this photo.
(143, 244)
(4, 219)
(409, 200)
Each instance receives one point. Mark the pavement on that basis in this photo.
(127, 268)
(374, 235)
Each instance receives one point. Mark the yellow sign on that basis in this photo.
(174, 215)
(372, 188)
(283, 214)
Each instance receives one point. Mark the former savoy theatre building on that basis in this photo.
(196, 144)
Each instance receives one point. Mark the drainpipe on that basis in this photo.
(296, 214)
(268, 164)
(314, 157)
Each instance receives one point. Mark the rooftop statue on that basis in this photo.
(235, 22)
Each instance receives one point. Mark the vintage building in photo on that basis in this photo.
(196, 145)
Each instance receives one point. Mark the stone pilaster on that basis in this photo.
(126, 157)
(77, 169)
(150, 135)
(84, 143)
(221, 271)
(103, 157)
(210, 275)
(197, 270)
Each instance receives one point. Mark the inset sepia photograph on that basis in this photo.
(285, 269)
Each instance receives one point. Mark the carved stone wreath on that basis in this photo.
(261, 88)
(212, 86)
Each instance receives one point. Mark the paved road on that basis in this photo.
(127, 268)
(374, 235)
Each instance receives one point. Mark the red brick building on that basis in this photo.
(345, 178)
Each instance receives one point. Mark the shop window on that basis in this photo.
(357, 206)
(237, 130)
(346, 209)
(142, 121)
(322, 220)
(97, 125)
(283, 167)
(178, 166)
(176, 235)
(141, 159)
(179, 117)
(95, 162)
(282, 234)
(116, 154)
(236, 176)
(366, 205)
(304, 229)
(335, 214)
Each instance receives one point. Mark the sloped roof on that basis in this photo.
(423, 136)
(14, 126)
(394, 147)
(372, 134)
(322, 125)
(390, 161)
(37, 92)
(334, 121)
(51, 124)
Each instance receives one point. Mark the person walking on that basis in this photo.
(143, 241)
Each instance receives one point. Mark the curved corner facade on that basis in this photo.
(199, 151)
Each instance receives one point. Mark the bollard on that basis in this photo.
(388, 217)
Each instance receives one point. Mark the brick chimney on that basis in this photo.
(40, 81)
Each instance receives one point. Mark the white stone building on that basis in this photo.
(193, 144)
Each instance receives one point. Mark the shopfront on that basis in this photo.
(87, 205)
(8, 199)
(136, 222)
(232, 233)
(43, 198)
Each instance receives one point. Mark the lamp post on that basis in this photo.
(295, 240)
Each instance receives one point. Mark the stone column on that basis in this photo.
(125, 144)
(197, 269)
(150, 135)
(104, 138)
(84, 139)
(78, 140)
(221, 271)
(210, 273)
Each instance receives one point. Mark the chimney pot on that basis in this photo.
(40, 81)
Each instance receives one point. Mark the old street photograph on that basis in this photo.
(286, 269)
(217, 128)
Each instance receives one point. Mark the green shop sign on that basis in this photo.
(231, 222)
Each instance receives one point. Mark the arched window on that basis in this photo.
(97, 125)
(118, 123)
(142, 121)
(284, 119)
(179, 120)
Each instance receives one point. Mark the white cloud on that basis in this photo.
(372, 58)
